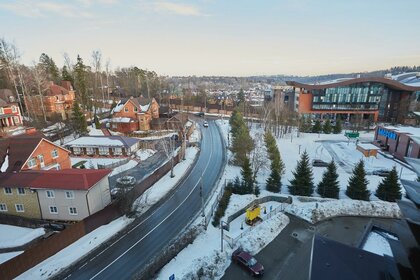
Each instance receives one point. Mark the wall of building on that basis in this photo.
(99, 196)
(305, 103)
(128, 111)
(45, 148)
(29, 200)
(63, 203)
(398, 147)
(125, 127)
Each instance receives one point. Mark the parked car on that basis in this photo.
(248, 262)
(381, 172)
(200, 114)
(206, 124)
(319, 163)
(55, 227)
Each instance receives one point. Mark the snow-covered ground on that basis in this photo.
(95, 132)
(144, 154)
(165, 184)
(75, 251)
(13, 236)
(124, 167)
(92, 163)
(7, 256)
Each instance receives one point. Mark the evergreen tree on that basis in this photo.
(389, 189)
(66, 76)
(97, 123)
(241, 96)
(317, 127)
(247, 178)
(78, 120)
(329, 187)
(242, 143)
(337, 128)
(277, 165)
(274, 182)
(237, 186)
(80, 83)
(327, 127)
(49, 67)
(357, 187)
(302, 183)
(305, 124)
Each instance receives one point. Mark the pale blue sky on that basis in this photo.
(220, 37)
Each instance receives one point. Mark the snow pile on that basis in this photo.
(165, 184)
(124, 167)
(75, 251)
(195, 136)
(5, 164)
(7, 256)
(144, 154)
(13, 236)
(318, 210)
(203, 259)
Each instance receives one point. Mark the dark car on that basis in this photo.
(319, 163)
(381, 172)
(55, 227)
(247, 261)
(200, 114)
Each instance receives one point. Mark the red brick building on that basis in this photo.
(134, 114)
(31, 151)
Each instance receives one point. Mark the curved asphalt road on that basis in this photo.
(133, 251)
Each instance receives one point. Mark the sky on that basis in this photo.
(219, 37)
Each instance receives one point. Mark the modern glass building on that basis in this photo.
(373, 98)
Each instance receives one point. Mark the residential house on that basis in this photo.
(134, 114)
(103, 146)
(10, 115)
(56, 101)
(31, 151)
(67, 195)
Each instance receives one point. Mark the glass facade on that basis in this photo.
(360, 96)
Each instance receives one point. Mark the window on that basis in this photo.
(3, 207)
(135, 109)
(32, 162)
(54, 153)
(90, 151)
(72, 211)
(19, 208)
(117, 151)
(7, 190)
(58, 167)
(50, 194)
(77, 150)
(21, 191)
(125, 109)
(14, 109)
(103, 150)
(69, 194)
(53, 210)
(16, 120)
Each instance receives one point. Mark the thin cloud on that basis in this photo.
(41, 9)
(178, 9)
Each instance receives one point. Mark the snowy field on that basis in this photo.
(75, 251)
(124, 167)
(12, 236)
(7, 256)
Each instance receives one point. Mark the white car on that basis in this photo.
(206, 124)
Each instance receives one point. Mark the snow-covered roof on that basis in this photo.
(415, 131)
(367, 146)
(118, 108)
(108, 141)
(409, 79)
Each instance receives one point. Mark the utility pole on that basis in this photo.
(172, 158)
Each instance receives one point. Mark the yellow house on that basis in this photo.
(19, 201)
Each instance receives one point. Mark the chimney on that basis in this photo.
(30, 130)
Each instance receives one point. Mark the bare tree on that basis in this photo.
(97, 66)
(107, 72)
(259, 157)
(40, 77)
(168, 148)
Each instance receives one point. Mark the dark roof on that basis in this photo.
(412, 189)
(334, 260)
(66, 179)
(19, 148)
(390, 83)
(143, 101)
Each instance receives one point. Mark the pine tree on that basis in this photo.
(305, 124)
(78, 120)
(302, 183)
(329, 187)
(237, 186)
(242, 144)
(97, 123)
(357, 187)
(337, 128)
(277, 165)
(66, 76)
(274, 182)
(50, 67)
(80, 73)
(389, 189)
(327, 127)
(247, 178)
(317, 127)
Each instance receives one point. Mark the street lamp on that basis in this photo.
(221, 232)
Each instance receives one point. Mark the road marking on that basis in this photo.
(170, 214)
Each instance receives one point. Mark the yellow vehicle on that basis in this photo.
(252, 214)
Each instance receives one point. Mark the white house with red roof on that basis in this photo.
(67, 195)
